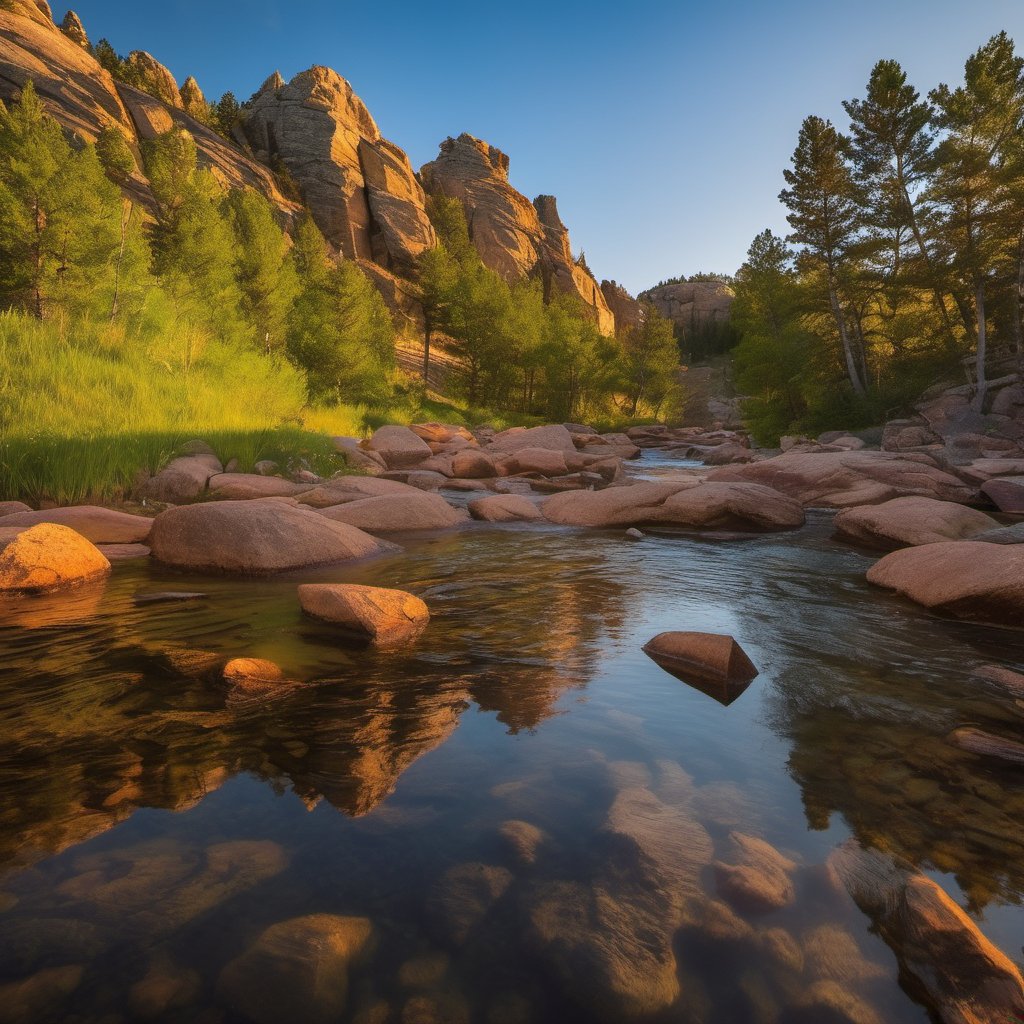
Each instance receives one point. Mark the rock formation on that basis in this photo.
(359, 187)
(513, 236)
(691, 304)
(147, 73)
(192, 99)
(73, 28)
(625, 309)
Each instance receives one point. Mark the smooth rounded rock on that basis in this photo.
(48, 557)
(910, 521)
(417, 510)
(376, 613)
(96, 524)
(505, 508)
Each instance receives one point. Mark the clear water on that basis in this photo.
(150, 829)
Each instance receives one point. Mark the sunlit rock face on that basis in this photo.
(360, 187)
(692, 304)
(513, 236)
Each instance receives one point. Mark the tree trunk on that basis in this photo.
(937, 293)
(982, 383)
(844, 337)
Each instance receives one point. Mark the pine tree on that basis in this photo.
(650, 360)
(980, 121)
(225, 114)
(824, 203)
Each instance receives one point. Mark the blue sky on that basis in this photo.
(663, 128)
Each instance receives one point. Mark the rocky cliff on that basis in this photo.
(513, 236)
(691, 304)
(358, 186)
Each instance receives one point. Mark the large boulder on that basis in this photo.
(246, 486)
(553, 436)
(47, 557)
(386, 512)
(472, 464)
(99, 525)
(505, 508)
(296, 970)
(360, 188)
(183, 479)
(544, 461)
(713, 656)
(967, 579)
(906, 522)
(375, 613)
(254, 538)
(954, 969)
(844, 479)
(341, 489)
(399, 447)
(689, 503)
(1006, 493)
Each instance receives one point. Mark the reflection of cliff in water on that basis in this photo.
(123, 708)
(881, 760)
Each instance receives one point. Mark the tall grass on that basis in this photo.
(86, 408)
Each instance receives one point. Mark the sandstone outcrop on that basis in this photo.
(376, 613)
(48, 557)
(193, 101)
(254, 538)
(360, 188)
(145, 72)
(513, 236)
(966, 579)
(907, 522)
(628, 312)
(847, 478)
(73, 28)
(692, 304)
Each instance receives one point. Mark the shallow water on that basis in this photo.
(151, 829)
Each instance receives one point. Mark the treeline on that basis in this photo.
(522, 351)
(208, 267)
(906, 258)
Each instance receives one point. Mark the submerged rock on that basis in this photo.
(253, 675)
(297, 970)
(376, 613)
(463, 897)
(1003, 678)
(967, 579)
(505, 508)
(522, 839)
(760, 880)
(987, 744)
(41, 996)
(949, 963)
(48, 557)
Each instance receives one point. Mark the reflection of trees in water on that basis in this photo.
(104, 717)
(880, 759)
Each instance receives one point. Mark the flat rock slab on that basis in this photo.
(910, 521)
(96, 524)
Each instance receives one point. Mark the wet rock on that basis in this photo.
(436, 1008)
(510, 1008)
(546, 461)
(183, 480)
(826, 1002)
(48, 557)
(718, 922)
(987, 744)
(253, 675)
(123, 552)
(9, 508)
(1004, 678)
(463, 896)
(780, 945)
(711, 656)
(759, 881)
(832, 953)
(634, 534)
(376, 613)
(845, 479)
(1006, 493)
(522, 839)
(255, 538)
(505, 508)
(907, 522)
(398, 446)
(168, 597)
(165, 986)
(426, 970)
(40, 997)
(296, 970)
(966, 579)
(946, 961)
(388, 512)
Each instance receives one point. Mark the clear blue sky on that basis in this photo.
(662, 127)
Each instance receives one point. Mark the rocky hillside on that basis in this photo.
(692, 304)
(359, 187)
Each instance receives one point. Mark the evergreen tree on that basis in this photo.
(650, 360)
(824, 203)
(225, 114)
(115, 155)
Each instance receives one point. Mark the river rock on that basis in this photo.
(957, 972)
(1000, 677)
(1002, 535)
(505, 508)
(255, 538)
(987, 744)
(828, 1002)
(99, 525)
(123, 552)
(399, 447)
(48, 557)
(711, 656)
(341, 489)
(545, 461)
(296, 970)
(760, 880)
(907, 522)
(442, 433)
(472, 464)
(42, 996)
(966, 579)
(246, 486)
(553, 437)
(522, 839)
(1006, 493)
(382, 615)
(463, 897)
(183, 480)
(9, 508)
(844, 479)
(416, 510)
(253, 675)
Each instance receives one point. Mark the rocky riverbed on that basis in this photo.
(385, 747)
